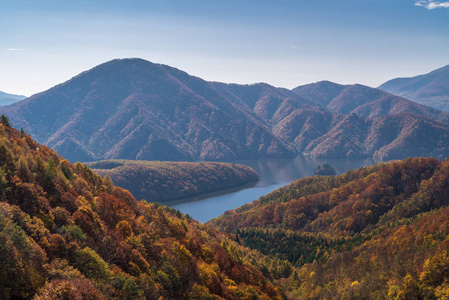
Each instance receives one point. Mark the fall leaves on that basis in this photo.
(67, 233)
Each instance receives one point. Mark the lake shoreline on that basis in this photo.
(273, 173)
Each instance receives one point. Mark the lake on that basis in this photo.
(273, 172)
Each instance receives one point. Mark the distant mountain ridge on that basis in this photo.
(430, 89)
(6, 99)
(363, 100)
(335, 121)
(135, 109)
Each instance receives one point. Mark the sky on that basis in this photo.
(285, 43)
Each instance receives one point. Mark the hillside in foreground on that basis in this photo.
(377, 232)
(157, 181)
(66, 233)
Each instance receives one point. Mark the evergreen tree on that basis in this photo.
(5, 120)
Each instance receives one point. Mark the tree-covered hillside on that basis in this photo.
(377, 232)
(66, 233)
(158, 181)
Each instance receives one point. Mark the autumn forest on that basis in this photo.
(138, 135)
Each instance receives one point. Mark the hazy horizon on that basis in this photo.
(285, 44)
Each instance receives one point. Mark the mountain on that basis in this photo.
(384, 138)
(134, 109)
(6, 99)
(363, 101)
(67, 233)
(157, 181)
(325, 121)
(268, 103)
(376, 232)
(430, 89)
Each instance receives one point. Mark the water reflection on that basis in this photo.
(273, 173)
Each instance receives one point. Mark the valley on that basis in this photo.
(273, 174)
(66, 233)
(224, 150)
(78, 235)
(260, 224)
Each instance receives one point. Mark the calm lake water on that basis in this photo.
(273, 172)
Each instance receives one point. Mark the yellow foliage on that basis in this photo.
(442, 292)
(124, 228)
(355, 283)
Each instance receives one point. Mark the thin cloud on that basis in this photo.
(429, 4)
(16, 49)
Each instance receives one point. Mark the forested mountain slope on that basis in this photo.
(430, 89)
(134, 109)
(375, 232)
(328, 120)
(157, 181)
(364, 101)
(66, 233)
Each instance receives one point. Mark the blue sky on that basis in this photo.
(284, 43)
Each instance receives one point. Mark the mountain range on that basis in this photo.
(430, 89)
(134, 109)
(6, 99)
(364, 101)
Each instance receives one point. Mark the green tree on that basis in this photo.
(5, 120)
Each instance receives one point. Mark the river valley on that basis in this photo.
(273, 172)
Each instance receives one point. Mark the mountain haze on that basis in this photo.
(430, 89)
(6, 99)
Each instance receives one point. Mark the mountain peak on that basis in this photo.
(135, 109)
